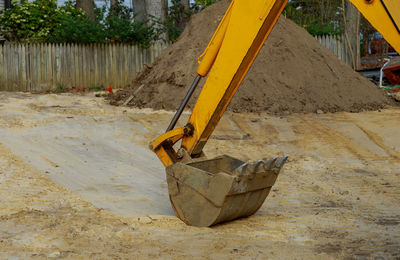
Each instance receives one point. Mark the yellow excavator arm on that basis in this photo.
(230, 53)
(384, 16)
(205, 192)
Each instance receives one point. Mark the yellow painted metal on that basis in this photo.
(175, 134)
(393, 7)
(206, 60)
(384, 20)
(249, 25)
(164, 156)
(162, 146)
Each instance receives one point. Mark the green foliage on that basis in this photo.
(172, 31)
(43, 21)
(95, 88)
(318, 17)
(146, 32)
(315, 27)
(60, 88)
(118, 25)
(33, 21)
(77, 28)
(121, 26)
(176, 20)
(201, 4)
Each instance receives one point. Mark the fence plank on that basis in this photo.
(95, 64)
(39, 67)
(43, 68)
(63, 54)
(53, 65)
(8, 65)
(57, 64)
(50, 65)
(78, 65)
(102, 64)
(33, 66)
(337, 45)
(4, 66)
(87, 57)
(22, 67)
(125, 56)
(2, 80)
(30, 73)
(120, 65)
(113, 65)
(83, 65)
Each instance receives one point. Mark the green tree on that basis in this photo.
(201, 4)
(34, 21)
(318, 17)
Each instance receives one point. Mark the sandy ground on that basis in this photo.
(77, 182)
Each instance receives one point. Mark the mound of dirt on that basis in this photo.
(292, 74)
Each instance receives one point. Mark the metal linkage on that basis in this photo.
(184, 103)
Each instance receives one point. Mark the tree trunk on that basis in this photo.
(365, 42)
(186, 4)
(113, 3)
(146, 8)
(87, 6)
(140, 9)
(114, 6)
(353, 31)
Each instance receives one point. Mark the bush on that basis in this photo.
(314, 18)
(204, 3)
(120, 25)
(177, 19)
(76, 27)
(42, 21)
(29, 21)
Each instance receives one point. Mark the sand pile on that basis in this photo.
(292, 74)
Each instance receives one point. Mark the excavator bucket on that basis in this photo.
(204, 193)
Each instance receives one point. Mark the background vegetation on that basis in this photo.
(44, 21)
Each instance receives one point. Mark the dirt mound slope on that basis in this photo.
(292, 74)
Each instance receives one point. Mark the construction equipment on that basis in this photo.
(204, 192)
(391, 69)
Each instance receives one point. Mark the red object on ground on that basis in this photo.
(392, 71)
(109, 89)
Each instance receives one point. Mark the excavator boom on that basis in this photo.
(384, 15)
(204, 192)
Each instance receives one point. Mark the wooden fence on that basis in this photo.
(337, 45)
(40, 67)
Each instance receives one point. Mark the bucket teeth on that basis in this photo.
(249, 170)
(270, 164)
(280, 162)
(241, 171)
